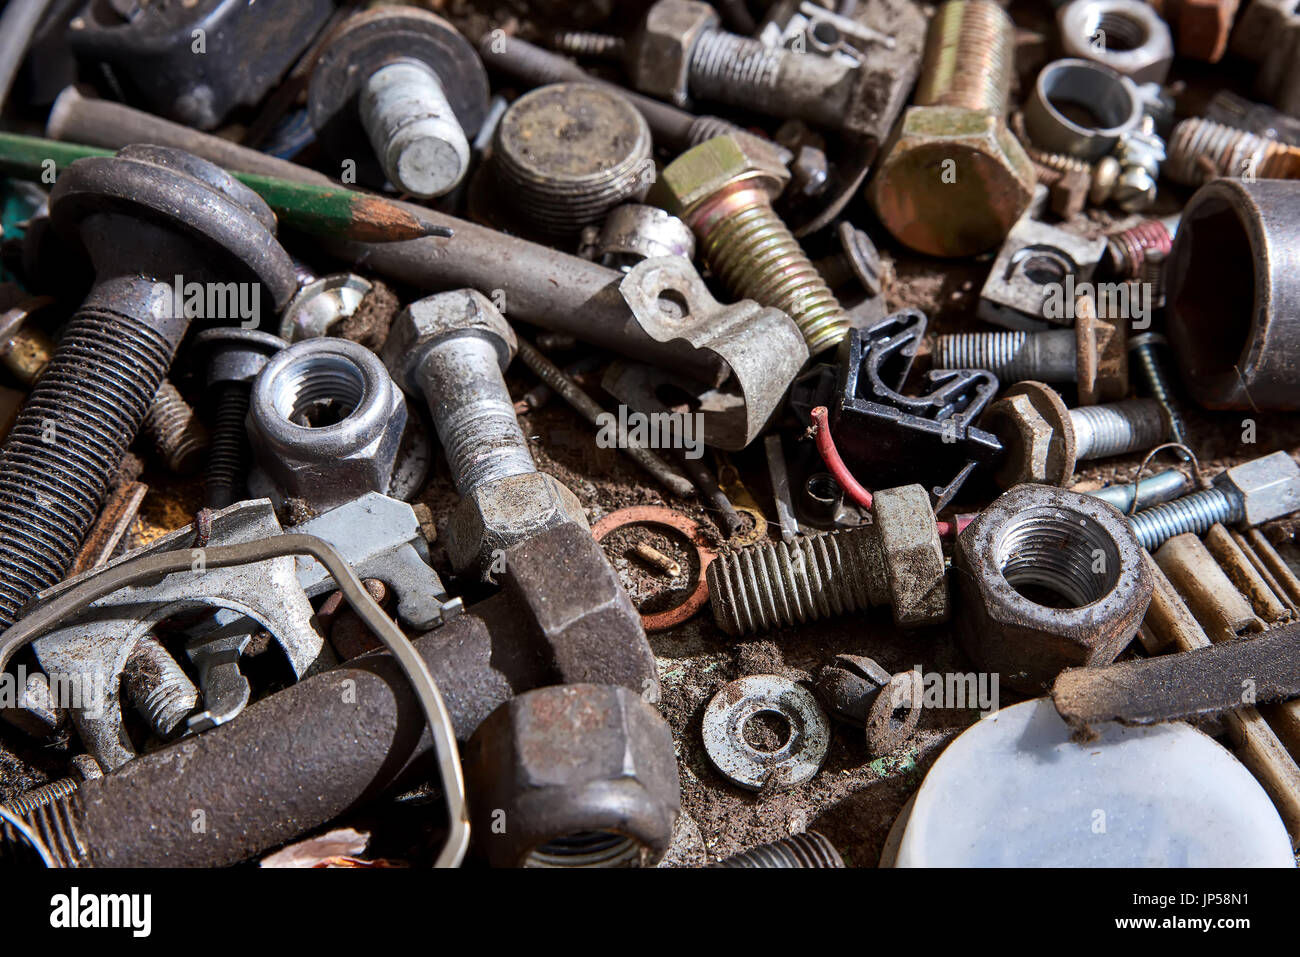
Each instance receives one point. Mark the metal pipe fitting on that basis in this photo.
(1232, 287)
(325, 421)
(954, 179)
(1109, 100)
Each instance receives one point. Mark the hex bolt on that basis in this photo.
(415, 88)
(146, 215)
(1246, 495)
(1147, 350)
(954, 178)
(724, 189)
(1045, 440)
(234, 357)
(775, 584)
(1201, 149)
(810, 849)
(156, 685)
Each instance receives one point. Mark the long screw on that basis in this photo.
(1146, 348)
(86, 408)
(1200, 150)
(1012, 355)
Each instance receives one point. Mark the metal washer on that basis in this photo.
(794, 762)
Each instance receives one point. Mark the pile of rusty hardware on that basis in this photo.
(661, 433)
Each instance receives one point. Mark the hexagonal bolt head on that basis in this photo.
(952, 182)
(498, 514)
(914, 567)
(1033, 424)
(583, 774)
(659, 59)
(426, 322)
(724, 162)
(1037, 544)
(1269, 487)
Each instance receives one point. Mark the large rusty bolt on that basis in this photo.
(953, 178)
(1049, 580)
(580, 775)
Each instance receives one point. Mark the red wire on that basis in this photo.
(831, 456)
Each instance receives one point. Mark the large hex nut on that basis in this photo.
(970, 211)
(722, 162)
(1033, 425)
(914, 565)
(1126, 35)
(426, 322)
(1049, 580)
(498, 514)
(579, 775)
(325, 422)
(660, 58)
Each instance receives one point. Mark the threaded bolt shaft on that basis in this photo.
(1153, 490)
(723, 63)
(156, 685)
(1012, 356)
(776, 584)
(177, 433)
(1128, 248)
(228, 458)
(969, 54)
(1154, 373)
(809, 849)
(54, 824)
(68, 439)
(1191, 513)
(29, 801)
(586, 43)
(413, 129)
(1200, 150)
(1116, 428)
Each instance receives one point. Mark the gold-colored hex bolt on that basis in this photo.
(953, 178)
(723, 189)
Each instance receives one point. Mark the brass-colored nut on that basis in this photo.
(952, 182)
(1033, 424)
(660, 58)
(714, 165)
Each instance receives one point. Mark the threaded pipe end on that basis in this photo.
(1116, 428)
(1201, 149)
(157, 686)
(778, 584)
(968, 57)
(809, 849)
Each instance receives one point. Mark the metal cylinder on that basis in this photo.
(1012, 356)
(809, 849)
(1192, 513)
(569, 153)
(1153, 490)
(1115, 428)
(413, 129)
(1232, 287)
(969, 56)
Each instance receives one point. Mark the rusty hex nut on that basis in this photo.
(1033, 424)
(914, 569)
(659, 59)
(952, 181)
(1049, 579)
(723, 162)
(498, 514)
(573, 775)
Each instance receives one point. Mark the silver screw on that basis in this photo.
(156, 685)
(1146, 349)
(1140, 154)
(1012, 356)
(1191, 513)
(413, 129)
(1117, 428)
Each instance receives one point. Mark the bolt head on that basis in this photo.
(717, 164)
(1033, 424)
(496, 515)
(1269, 486)
(660, 56)
(952, 182)
(426, 322)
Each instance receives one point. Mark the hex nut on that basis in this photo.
(1033, 425)
(1133, 40)
(659, 60)
(578, 774)
(914, 564)
(716, 164)
(498, 514)
(994, 181)
(1269, 487)
(329, 464)
(426, 322)
(1048, 542)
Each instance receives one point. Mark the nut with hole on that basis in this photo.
(1126, 35)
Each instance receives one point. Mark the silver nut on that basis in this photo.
(325, 423)
(1126, 35)
(428, 321)
(498, 514)
(660, 59)
(1269, 486)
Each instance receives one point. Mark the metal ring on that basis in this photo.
(666, 517)
(736, 759)
(1109, 97)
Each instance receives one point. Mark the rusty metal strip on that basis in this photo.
(1204, 681)
(107, 532)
